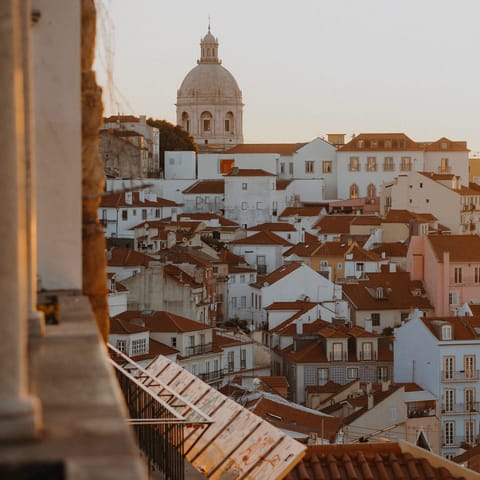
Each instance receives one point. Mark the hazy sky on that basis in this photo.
(306, 67)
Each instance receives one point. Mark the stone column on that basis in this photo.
(19, 413)
(36, 319)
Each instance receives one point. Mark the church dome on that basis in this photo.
(209, 81)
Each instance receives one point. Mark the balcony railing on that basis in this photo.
(460, 375)
(199, 349)
(212, 376)
(459, 441)
(338, 357)
(368, 356)
(464, 408)
(444, 169)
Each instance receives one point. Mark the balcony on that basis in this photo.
(199, 349)
(444, 169)
(261, 269)
(471, 408)
(212, 376)
(368, 356)
(460, 376)
(457, 441)
(338, 357)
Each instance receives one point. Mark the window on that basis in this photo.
(144, 214)
(354, 164)
(367, 351)
(122, 345)
(173, 341)
(124, 215)
(352, 373)
(388, 144)
(191, 340)
(244, 205)
(231, 361)
(282, 168)
(449, 433)
(476, 274)
(261, 264)
(157, 213)
(448, 400)
(243, 359)
(457, 275)
(446, 332)
(375, 319)
(453, 298)
(134, 212)
(354, 192)
(309, 166)
(371, 164)
(139, 346)
(469, 397)
(359, 266)
(290, 168)
(470, 431)
(202, 339)
(388, 164)
(406, 164)
(444, 168)
(382, 374)
(360, 143)
(244, 186)
(206, 124)
(404, 316)
(326, 166)
(234, 302)
(259, 205)
(227, 125)
(243, 302)
(242, 278)
(337, 351)
(322, 376)
(252, 277)
(448, 368)
(469, 367)
(371, 191)
(232, 279)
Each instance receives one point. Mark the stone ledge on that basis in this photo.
(83, 411)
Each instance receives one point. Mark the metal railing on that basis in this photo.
(158, 415)
(199, 349)
(212, 376)
(460, 375)
(465, 408)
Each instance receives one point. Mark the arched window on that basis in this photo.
(229, 122)
(186, 121)
(354, 190)
(206, 122)
(371, 191)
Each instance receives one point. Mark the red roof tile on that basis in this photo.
(445, 145)
(276, 275)
(301, 212)
(206, 186)
(249, 172)
(265, 237)
(462, 248)
(127, 257)
(373, 461)
(274, 227)
(113, 200)
(374, 142)
(280, 148)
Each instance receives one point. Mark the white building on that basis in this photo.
(180, 165)
(442, 355)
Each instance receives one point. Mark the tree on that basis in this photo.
(172, 137)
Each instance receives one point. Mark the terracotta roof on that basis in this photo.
(301, 211)
(405, 216)
(113, 200)
(207, 186)
(280, 148)
(387, 291)
(127, 257)
(373, 461)
(162, 321)
(377, 142)
(180, 276)
(283, 184)
(318, 249)
(154, 350)
(121, 118)
(188, 255)
(445, 145)
(264, 237)
(392, 249)
(249, 172)
(337, 224)
(463, 328)
(235, 269)
(275, 382)
(294, 418)
(274, 226)
(462, 248)
(276, 275)
(226, 256)
(359, 254)
(125, 327)
(225, 341)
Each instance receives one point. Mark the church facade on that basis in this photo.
(209, 101)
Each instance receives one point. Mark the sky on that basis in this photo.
(306, 68)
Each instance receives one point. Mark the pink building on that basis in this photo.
(449, 266)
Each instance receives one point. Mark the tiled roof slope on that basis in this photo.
(276, 275)
(273, 226)
(445, 145)
(301, 212)
(207, 186)
(280, 148)
(377, 142)
(405, 216)
(463, 328)
(374, 461)
(264, 237)
(462, 248)
(249, 172)
(118, 200)
(127, 257)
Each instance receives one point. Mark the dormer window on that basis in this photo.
(443, 145)
(379, 293)
(446, 332)
(360, 143)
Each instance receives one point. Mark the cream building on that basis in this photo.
(209, 101)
